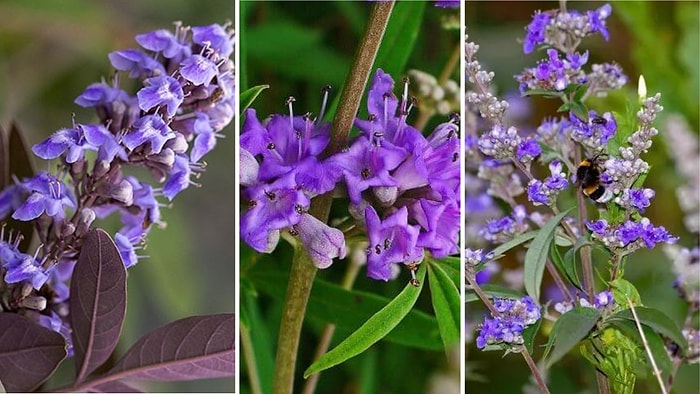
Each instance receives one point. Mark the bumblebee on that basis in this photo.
(588, 177)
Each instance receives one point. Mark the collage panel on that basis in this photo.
(349, 170)
(581, 208)
(117, 196)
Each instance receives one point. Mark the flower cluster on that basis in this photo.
(545, 193)
(564, 30)
(186, 98)
(508, 326)
(630, 235)
(553, 73)
(281, 171)
(403, 187)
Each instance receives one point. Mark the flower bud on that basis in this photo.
(177, 144)
(37, 303)
(123, 192)
(322, 243)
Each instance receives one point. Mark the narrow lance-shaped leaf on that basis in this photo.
(248, 97)
(569, 330)
(536, 256)
(446, 304)
(97, 302)
(29, 353)
(373, 330)
(195, 347)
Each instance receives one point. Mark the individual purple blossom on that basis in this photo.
(515, 315)
(215, 37)
(161, 91)
(198, 69)
(136, 63)
(164, 42)
(391, 241)
(597, 19)
(545, 193)
(603, 299)
(499, 230)
(126, 247)
(47, 194)
(18, 266)
(106, 143)
(149, 129)
(528, 150)
(180, 177)
(536, 31)
(638, 199)
(71, 141)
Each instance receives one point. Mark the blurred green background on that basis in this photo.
(298, 48)
(49, 53)
(659, 40)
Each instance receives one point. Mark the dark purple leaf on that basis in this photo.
(114, 387)
(97, 302)
(29, 353)
(191, 348)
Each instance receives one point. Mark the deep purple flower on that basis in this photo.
(440, 225)
(108, 147)
(536, 31)
(653, 235)
(47, 194)
(629, 232)
(537, 193)
(20, 266)
(205, 139)
(638, 198)
(161, 91)
(515, 316)
(595, 133)
(71, 141)
(391, 240)
(272, 207)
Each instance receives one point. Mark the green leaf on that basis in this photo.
(536, 256)
(348, 309)
(569, 330)
(656, 344)
(623, 290)
(542, 92)
(446, 304)
(246, 98)
(452, 267)
(504, 247)
(569, 270)
(529, 335)
(655, 319)
(376, 328)
(492, 291)
(579, 109)
(400, 37)
(570, 258)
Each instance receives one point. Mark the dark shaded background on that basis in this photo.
(49, 53)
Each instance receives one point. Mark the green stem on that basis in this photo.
(535, 372)
(303, 271)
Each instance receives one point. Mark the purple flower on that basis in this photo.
(47, 194)
(515, 316)
(20, 266)
(163, 41)
(604, 298)
(206, 137)
(391, 240)
(439, 223)
(126, 247)
(161, 90)
(653, 235)
(595, 133)
(637, 198)
(599, 227)
(322, 243)
(106, 143)
(528, 150)
(198, 69)
(537, 193)
(447, 3)
(149, 129)
(536, 31)
(272, 207)
(215, 37)
(628, 232)
(56, 323)
(136, 63)
(11, 198)
(597, 18)
(71, 141)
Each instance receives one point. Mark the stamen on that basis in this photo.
(289, 102)
(404, 97)
(271, 195)
(325, 93)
